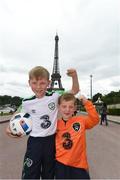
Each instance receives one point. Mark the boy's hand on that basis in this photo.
(83, 99)
(9, 133)
(71, 72)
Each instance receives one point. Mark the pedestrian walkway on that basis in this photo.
(4, 119)
(115, 119)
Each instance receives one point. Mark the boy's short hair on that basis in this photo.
(67, 97)
(39, 71)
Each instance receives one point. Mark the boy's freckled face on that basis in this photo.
(66, 109)
(39, 86)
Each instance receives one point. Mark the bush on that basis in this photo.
(114, 112)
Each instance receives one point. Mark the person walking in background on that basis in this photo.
(71, 158)
(104, 114)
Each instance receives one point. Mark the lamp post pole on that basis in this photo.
(91, 86)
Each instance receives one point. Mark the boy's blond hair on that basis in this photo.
(67, 97)
(39, 71)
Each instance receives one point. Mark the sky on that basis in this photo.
(89, 41)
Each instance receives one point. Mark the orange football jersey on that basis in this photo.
(71, 138)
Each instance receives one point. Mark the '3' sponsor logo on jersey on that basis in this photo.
(67, 143)
(46, 123)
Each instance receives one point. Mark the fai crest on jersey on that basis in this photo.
(76, 126)
(51, 105)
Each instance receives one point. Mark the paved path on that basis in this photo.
(103, 148)
(103, 143)
(11, 155)
(5, 118)
(114, 119)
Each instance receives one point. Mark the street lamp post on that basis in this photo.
(91, 86)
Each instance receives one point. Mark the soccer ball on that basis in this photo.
(21, 123)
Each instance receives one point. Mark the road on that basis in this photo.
(103, 145)
(103, 149)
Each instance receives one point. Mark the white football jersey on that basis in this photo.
(43, 112)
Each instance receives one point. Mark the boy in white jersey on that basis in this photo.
(39, 159)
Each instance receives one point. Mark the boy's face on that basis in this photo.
(39, 86)
(66, 109)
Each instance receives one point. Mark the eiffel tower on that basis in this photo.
(56, 77)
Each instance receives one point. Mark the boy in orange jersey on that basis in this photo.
(71, 159)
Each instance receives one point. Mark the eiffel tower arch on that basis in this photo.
(56, 83)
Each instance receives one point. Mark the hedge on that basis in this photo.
(114, 112)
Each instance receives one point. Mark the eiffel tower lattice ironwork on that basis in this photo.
(56, 77)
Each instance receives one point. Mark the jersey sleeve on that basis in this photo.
(92, 117)
(21, 108)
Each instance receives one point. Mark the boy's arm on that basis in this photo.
(92, 118)
(75, 84)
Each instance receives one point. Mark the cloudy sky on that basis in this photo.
(89, 41)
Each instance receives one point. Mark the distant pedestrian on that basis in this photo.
(104, 114)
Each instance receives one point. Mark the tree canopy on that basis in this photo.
(110, 98)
